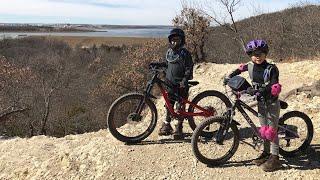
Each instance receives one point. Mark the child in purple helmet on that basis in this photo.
(265, 81)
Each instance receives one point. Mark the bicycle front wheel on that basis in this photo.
(214, 101)
(295, 133)
(132, 118)
(206, 148)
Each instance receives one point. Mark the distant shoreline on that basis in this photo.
(147, 33)
(49, 31)
(5, 28)
(110, 41)
(58, 31)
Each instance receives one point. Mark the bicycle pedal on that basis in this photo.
(178, 137)
(166, 134)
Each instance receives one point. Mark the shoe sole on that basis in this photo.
(165, 134)
(178, 137)
(271, 170)
(259, 164)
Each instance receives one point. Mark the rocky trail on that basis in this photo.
(98, 155)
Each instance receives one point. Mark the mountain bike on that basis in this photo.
(133, 116)
(295, 133)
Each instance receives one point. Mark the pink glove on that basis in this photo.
(276, 89)
(243, 67)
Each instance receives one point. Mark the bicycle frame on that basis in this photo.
(240, 106)
(180, 112)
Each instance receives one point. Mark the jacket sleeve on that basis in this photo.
(239, 70)
(163, 63)
(188, 73)
(274, 81)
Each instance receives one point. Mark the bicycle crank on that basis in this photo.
(210, 109)
(257, 142)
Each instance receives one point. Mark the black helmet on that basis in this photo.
(177, 32)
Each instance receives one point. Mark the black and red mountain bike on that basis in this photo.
(133, 116)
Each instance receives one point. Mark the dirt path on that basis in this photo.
(99, 156)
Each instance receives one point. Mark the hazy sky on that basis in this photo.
(125, 12)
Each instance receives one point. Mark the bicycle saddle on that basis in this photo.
(283, 105)
(193, 83)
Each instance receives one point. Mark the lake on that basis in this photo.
(138, 32)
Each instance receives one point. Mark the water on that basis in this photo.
(139, 32)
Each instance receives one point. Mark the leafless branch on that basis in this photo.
(11, 110)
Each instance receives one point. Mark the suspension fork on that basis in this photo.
(146, 95)
(224, 127)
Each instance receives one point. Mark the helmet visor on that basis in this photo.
(257, 53)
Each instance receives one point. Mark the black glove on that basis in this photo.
(184, 83)
(225, 80)
(157, 65)
(262, 91)
(153, 65)
(259, 93)
(251, 91)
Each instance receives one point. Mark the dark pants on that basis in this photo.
(182, 92)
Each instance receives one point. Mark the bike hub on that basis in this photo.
(210, 109)
(134, 117)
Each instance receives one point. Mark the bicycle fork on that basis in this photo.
(137, 115)
(224, 128)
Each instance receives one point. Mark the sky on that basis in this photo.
(120, 12)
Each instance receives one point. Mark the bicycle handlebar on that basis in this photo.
(239, 93)
(156, 69)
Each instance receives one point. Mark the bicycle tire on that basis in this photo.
(306, 143)
(111, 120)
(198, 133)
(203, 95)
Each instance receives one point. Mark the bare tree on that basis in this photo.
(134, 64)
(196, 25)
(230, 7)
(13, 80)
(53, 73)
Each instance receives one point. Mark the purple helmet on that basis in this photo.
(257, 45)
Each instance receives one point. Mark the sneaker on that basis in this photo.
(261, 159)
(272, 164)
(165, 129)
(178, 134)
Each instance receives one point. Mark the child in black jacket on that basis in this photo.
(179, 69)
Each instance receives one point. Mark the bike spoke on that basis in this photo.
(129, 122)
(211, 103)
(292, 134)
(208, 145)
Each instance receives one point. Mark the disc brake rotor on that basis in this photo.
(134, 118)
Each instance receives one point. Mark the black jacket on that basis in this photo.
(258, 77)
(180, 70)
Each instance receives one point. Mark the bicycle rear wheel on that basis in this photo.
(206, 149)
(214, 101)
(295, 133)
(126, 123)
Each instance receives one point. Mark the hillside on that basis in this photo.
(99, 156)
(292, 34)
